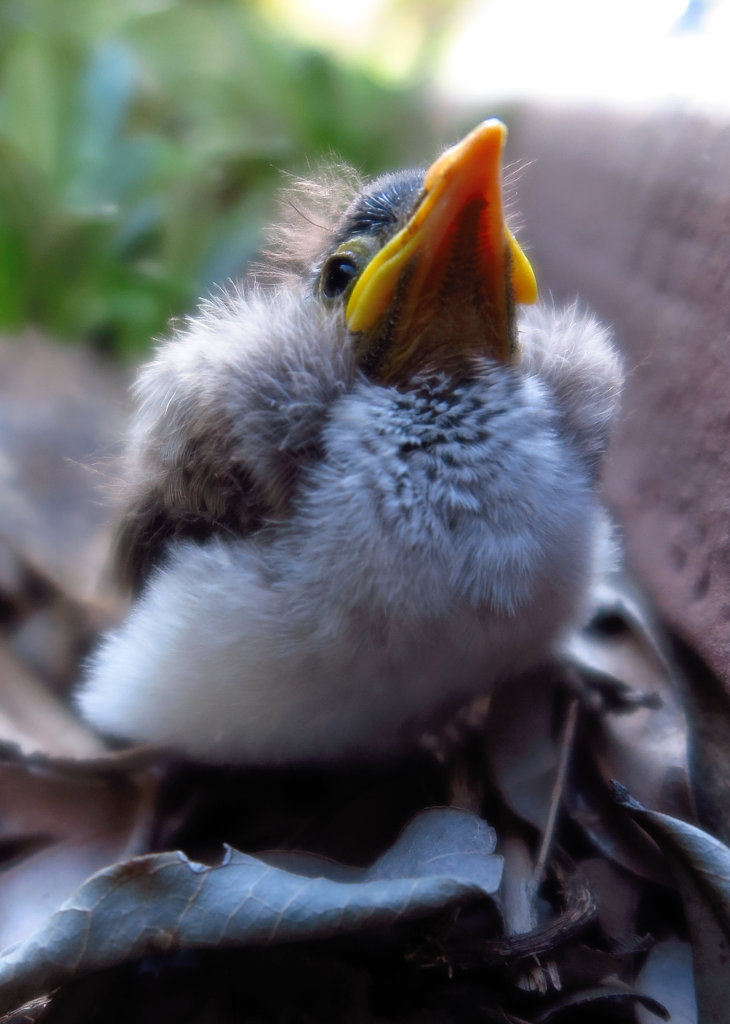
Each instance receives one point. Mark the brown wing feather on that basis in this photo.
(187, 474)
(153, 520)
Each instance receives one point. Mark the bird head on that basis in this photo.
(425, 268)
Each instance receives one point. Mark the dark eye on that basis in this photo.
(337, 274)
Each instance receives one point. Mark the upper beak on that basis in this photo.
(454, 271)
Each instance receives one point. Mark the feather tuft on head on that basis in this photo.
(309, 211)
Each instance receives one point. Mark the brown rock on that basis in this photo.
(632, 214)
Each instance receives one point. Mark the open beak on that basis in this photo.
(447, 283)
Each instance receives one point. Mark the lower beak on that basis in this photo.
(447, 283)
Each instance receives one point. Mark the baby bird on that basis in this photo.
(359, 490)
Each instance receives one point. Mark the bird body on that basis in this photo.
(331, 554)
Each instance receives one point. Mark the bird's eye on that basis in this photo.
(337, 275)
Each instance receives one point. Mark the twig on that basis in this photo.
(566, 746)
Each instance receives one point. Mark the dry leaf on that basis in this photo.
(165, 902)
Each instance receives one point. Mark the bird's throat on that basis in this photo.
(443, 289)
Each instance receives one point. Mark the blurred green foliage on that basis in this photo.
(139, 147)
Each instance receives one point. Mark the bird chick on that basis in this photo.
(360, 491)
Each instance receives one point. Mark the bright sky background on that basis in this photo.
(634, 52)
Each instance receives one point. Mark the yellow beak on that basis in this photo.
(454, 261)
